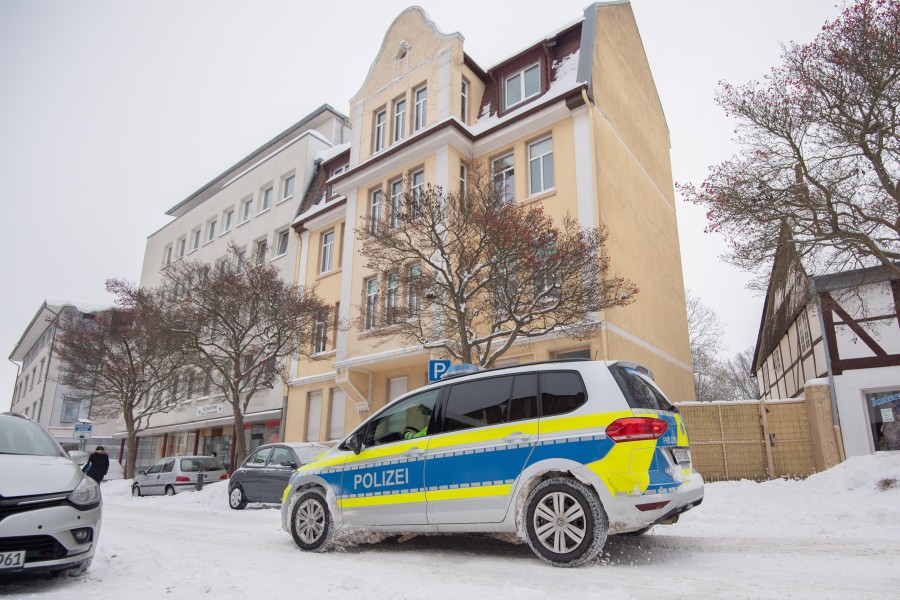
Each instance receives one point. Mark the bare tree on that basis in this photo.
(820, 151)
(239, 324)
(736, 376)
(120, 361)
(705, 333)
(467, 274)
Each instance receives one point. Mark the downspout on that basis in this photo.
(836, 418)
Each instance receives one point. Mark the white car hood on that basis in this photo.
(22, 475)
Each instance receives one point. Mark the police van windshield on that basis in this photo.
(638, 391)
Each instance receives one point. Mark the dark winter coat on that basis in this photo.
(98, 465)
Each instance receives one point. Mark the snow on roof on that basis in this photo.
(543, 38)
(319, 207)
(326, 155)
(85, 307)
(565, 80)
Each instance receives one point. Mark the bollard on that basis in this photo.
(200, 478)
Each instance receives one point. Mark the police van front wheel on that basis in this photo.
(565, 523)
(311, 524)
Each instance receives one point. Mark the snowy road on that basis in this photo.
(831, 536)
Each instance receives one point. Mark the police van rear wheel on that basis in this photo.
(311, 524)
(565, 523)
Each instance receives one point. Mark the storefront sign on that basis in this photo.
(209, 409)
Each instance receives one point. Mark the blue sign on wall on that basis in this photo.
(436, 369)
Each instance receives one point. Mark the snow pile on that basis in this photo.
(213, 498)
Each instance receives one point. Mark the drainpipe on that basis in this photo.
(836, 418)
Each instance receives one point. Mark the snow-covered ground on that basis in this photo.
(834, 535)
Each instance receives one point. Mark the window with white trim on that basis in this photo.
(418, 186)
(523, 85)
(776, 359)
(392, 298)
(327, 252)
(320, 336)
(412, 293)
(803, 330)
(540, 166)
(463, 180)
(195, 239)
(262, 246)
(396, 202)
(181, 247)
(399, 120)
(167, 255)
(211, 230)
(464, 101)
(504, 177)
(287, 187)
(336, 414)
(375, 203)
(266, 200)
(335, 173)
(421, 96)
(380, 124)
(228, 220)
(371, 288)
(281, 245)
(246, 210)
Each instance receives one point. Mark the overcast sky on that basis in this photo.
(111, 112)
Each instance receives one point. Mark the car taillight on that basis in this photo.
(223, 477)
(631, 429)
(182, 479)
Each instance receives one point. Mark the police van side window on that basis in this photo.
(477, 403)
(638, 392)
(407, 419)
(524, 401)
(561, 393)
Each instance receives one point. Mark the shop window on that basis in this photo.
(884, 415)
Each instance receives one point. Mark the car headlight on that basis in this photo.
(86, 493)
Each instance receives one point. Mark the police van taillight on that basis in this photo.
(632, 429)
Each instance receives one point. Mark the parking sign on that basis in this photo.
(436, 369)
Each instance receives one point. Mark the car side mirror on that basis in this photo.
(293, 465)
(354, 443)
(142, 472)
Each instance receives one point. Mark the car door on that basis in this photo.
(489, 428)
(253, 475)
(384, 484)
(166, 476)
(149, 482)
(277, 473)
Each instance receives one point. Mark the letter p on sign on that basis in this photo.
(436, 369)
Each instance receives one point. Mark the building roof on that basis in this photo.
(42, 319)
(280, 141)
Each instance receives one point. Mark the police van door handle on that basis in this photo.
(517, 438)
(414, 451)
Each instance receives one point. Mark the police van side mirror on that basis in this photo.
(354, 443)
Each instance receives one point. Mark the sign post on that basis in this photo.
(83, 432)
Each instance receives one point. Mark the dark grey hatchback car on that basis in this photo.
(265, 472)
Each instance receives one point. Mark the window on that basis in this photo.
(478, 403)
(189, 392)
(567, 354)
(282, 457)
(396, 202)
(521, 86)
(258, 459)
(639, 392)
(320, 335)
(421, 98)
(412, 298)
(266, 203)
(776, 359)
(540, 166)
(241, 260)
(418, 184)
(464, 101)
(195, 239)
(504, 172)
(371, 288)
(463, 180)
(228, 220)
(211, 230)
(26, 382)
(375, 211)
(182, 246)
(336, 415)
(71, 408)
(392, 303)
(327, 251)
(399, 120)
(246, 209)
(765, 378)
(884, 418)
(33, 377)
(405, 418)
(262, 247)
(40, 372)
(167, 255)
(288, 187)
(281, 244)
(335, 173)
(524, 401)
(380, 122)
(168, 466)
(561, 393)
(313, 416)
(803, 328)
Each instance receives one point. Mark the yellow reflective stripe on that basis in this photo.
(626, 467)
(596, 421)
(682, 431)
(484, 491)
(382, 500)
(378, 452)
(483, 434)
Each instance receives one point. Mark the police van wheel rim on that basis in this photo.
(310, 521)
(559, 522)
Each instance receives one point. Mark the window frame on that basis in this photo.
(288, 181)
(376, 200)
(464, 100)
(370, 302)
(396, 188)
(399, 120)
(265, 199)
(326, 251)
(379, 129)
(415, 192)
(413, 301)
(420, 112)
(181, 247)
(392, 298)
(282, 238)
(522, 86)
(228, 220)
(211, 229)
(540, 160)
(508, 192)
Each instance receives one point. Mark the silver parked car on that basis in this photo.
(50, 512)
(175, 474)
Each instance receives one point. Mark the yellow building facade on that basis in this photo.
(582, 101)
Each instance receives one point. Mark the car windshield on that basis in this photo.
(201, 463)
(21, 436)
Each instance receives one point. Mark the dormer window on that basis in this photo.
(521, 86)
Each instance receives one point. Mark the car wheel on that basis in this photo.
(170, 491)
(236, 498)
(311, 524)
(136, 491)
(565, 524)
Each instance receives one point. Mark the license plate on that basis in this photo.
(12, 560)
(682, 455)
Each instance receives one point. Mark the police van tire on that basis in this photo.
(312, 526)
(565, 524)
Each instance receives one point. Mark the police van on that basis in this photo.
(563, 453)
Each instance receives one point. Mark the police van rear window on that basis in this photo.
(638, 392)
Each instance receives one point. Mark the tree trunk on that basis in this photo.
(240, 446)
(132, 454)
